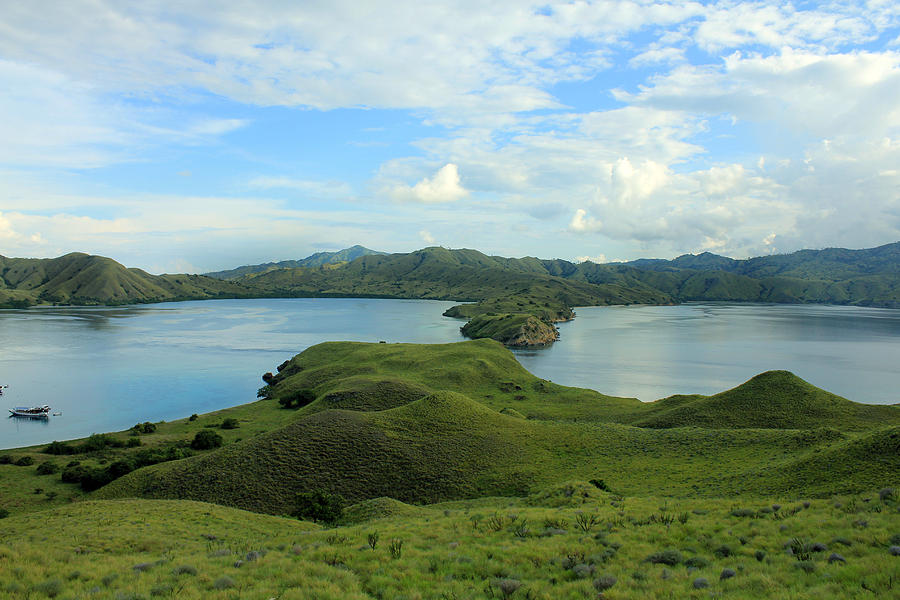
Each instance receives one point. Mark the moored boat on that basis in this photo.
(34, 412)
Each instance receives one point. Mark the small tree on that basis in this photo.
(230, 423)
(318, 507)
(206, 439)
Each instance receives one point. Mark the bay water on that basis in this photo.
(107, 368)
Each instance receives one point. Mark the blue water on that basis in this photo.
(106, 369)
(650, 352)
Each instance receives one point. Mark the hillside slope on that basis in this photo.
(774, 400)
(446, 422)
(84, 279)
(317, 259)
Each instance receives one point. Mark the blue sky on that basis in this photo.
(196, 136)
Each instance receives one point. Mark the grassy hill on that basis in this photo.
(471, 478)
(317, 259)
(453, 421)
(565, 543)
(775, 399)
(84, 279)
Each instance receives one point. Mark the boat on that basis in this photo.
(33, 412)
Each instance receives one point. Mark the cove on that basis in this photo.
(107, 368)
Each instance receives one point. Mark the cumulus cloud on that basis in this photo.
(582, 223)
(660, 163)
(443, 186)
(426, 236)
(599, 259)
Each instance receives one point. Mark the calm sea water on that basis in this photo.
(651, 352)
(108, 368)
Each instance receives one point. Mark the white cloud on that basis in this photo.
(582, 223)
(657, 56)
(314, 188)
(443, 186)
(599, 259)
(426, 236)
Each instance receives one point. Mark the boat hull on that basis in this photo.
(30, 413)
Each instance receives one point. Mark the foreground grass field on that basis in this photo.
(471, 478)
(569, 542)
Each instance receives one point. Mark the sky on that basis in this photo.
(195, 136)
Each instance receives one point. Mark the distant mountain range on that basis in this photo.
(516, 300)
(313, 260)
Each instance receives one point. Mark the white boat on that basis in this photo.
(33, 412)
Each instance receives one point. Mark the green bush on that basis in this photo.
(666, 557)
(145, 427)
(60, 448)
(318, 507)
(3, 513)
(230, 423)
(25, 461)
(297, 399)
(47, 468)
(206, 440)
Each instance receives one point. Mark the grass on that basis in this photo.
(195, 550)
(470, 478)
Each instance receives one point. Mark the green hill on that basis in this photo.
(455, 421)
(772, 400)
(84, 279)
(317, 259)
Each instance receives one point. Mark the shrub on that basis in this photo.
(723, 551)
(604, 582)
(3, 513)
(72, 473)
(184, 570)
(697, 562)
(760, 555)
(145, 427)
(318, 506)
(25, 461)
(885, 494)
(206, 440)
(586, 522)
(230, 423)
(5, 459)
(807, 566)
(666, 557)
(59, 448)
(508, 587)
(50, 588)
(223, 583)
(396, 548)
(193, 417)
(47, 468)
(132, 443)
(297, 399)
(372, 538)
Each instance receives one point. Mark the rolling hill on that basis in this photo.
(317, 259)
(775, 399)
(84, 279)
(454, 421)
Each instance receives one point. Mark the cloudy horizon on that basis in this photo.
(199, 137)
